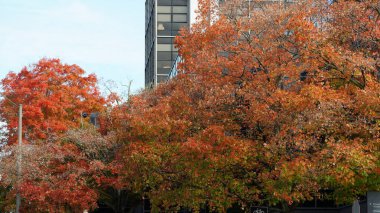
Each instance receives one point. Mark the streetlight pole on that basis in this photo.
(19, 158)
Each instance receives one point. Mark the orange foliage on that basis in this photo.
(61, 170)
(53, 96)
(273, 105)
(272, 109)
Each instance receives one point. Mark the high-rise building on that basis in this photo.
(163, 20)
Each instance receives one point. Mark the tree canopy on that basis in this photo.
(62, 166)
(53, 96)
(275, 105)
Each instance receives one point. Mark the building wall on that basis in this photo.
(150, 39)
(163, 20)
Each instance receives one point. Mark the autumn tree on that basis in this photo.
(67, 174)
(53, 96)
(62, 168)
(274, 105)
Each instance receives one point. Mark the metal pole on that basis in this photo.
(19, 157)
(81, 120)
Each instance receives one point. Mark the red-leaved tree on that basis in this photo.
(53, 96)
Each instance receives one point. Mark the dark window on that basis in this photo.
(165, 40)
(164, 2)
(163, 71)
(164, 28)
(180, 2)
(164, 64)
(178, 26)
(162, 78)
(164, 56)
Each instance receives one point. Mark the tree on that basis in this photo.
(273, 109)
(64, 175)
(61, 169)
(53, 96)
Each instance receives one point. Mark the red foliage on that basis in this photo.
(53, 96)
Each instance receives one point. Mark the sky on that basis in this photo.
(105, 37)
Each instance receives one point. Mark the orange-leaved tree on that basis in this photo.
(53, 96)
(275, 105)
(60, 170)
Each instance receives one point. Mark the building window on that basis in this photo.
(164, 55)
(165, 40)
(164, 29)
(179, 18)
(162, 78)
(164, 64)
(180, 9)
(164, 47)
(179, 2)
(164, 9)
(164, 18)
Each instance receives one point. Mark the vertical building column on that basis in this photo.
(155, 42)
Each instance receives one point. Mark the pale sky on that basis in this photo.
(105, 37)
